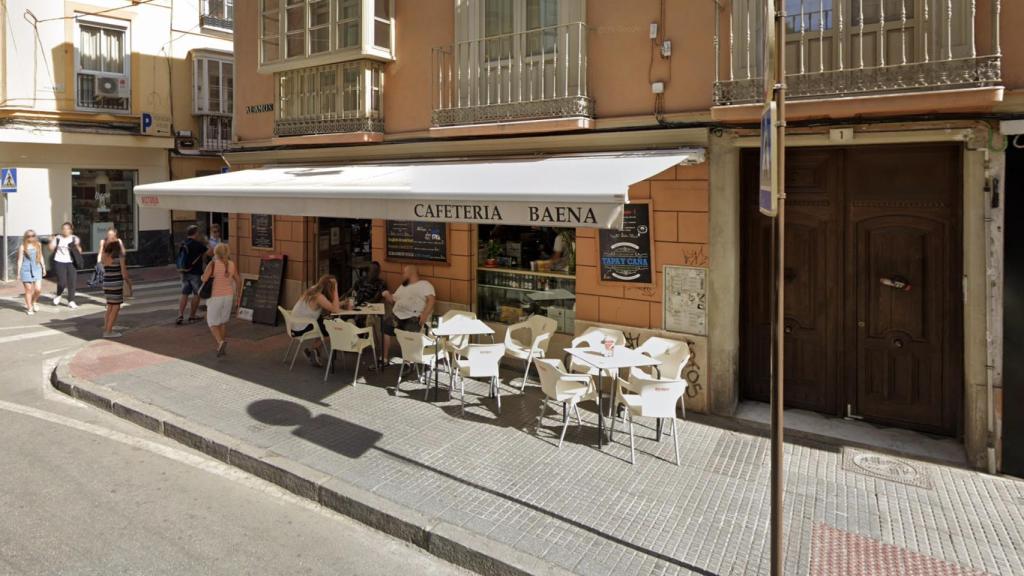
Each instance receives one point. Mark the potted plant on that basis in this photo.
(492, 251)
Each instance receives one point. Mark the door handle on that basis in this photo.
(896, 282)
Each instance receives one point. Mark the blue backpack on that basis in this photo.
(181, 262)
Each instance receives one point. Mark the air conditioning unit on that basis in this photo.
(112, 87)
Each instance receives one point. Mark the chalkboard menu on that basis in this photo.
(626, 255)
(417, 241)
(268, 289)
(262, 230)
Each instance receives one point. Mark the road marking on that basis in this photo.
(29, 336)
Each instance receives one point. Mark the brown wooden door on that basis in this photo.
(903, 278)
(854, 218)
(813, 285)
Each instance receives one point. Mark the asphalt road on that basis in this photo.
(83, 492)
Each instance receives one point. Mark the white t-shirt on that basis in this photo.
(410, 300)
(62, 253)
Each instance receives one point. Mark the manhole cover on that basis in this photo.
(885, 467)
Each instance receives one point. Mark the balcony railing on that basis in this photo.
(837, 48)
(218, 14)
(215, 133)
(330, 99)
(532, 75)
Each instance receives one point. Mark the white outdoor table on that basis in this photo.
(364, 310)
(458, 326)
(621, 357)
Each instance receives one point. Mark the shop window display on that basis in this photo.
(527, 270)
(103, 199)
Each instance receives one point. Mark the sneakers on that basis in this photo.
(72, 305)
(35, 307)
(112, 334)
(30, 311)
(57, 300)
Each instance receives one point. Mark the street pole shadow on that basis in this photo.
(337, 435)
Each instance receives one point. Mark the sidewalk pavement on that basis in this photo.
(495, 494)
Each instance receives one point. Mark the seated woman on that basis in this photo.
(319, 299)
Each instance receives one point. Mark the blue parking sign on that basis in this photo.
(8, 180)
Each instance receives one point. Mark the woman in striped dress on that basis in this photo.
(115, 278)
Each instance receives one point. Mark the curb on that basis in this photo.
(445, 541)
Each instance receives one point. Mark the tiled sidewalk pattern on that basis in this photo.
(588, 511)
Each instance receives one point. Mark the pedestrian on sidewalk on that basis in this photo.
(214, 238)
(97, 275)
(32, 268)
(115, 284)
(66, 250)
(226, 292)
(317, 300)
(190, 264)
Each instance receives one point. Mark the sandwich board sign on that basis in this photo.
(8, 180)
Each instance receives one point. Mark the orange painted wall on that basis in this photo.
(679, 200)
(251, 87)
(452, 281)
(293, 236)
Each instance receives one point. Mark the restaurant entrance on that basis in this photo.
(344, 249)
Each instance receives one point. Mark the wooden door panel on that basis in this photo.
(905, 364)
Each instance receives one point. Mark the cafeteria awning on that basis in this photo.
(562, 191)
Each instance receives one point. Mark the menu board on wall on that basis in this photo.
(268, 289)
(685, 300)
(262, 230)
(408, 240)
(625, 255)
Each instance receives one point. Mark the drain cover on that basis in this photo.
(886, 468)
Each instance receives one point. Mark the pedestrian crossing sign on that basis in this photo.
(8, 180)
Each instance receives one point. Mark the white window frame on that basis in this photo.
(201, 90)
(204, 14)
(109, 23)
(366, 48)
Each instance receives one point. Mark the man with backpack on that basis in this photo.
(190, 265)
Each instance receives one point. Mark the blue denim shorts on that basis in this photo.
(190, 283)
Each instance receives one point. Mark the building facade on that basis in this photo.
(894, 174)
(98, 97)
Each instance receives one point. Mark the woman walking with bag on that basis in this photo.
(222, 273)
(66, 257)
(115, 283)
(97, 275)
(31, 269)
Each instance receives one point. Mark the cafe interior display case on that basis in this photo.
(520, 273)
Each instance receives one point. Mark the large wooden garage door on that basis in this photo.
(872, 273)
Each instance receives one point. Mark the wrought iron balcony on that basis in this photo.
(533, 75)
(218, 14)
(842, 48)
(330, 99)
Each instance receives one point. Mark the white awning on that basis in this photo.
(564, 191)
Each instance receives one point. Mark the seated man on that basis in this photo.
(413, 306)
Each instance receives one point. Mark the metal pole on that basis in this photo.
(7, 257)
(777, 470)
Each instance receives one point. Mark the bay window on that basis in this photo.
(301, 33)
(102, 66)
(214, 88)
(329, 99)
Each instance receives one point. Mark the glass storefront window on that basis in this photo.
(524, 271)
(103, 199)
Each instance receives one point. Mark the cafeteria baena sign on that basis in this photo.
(491, 212)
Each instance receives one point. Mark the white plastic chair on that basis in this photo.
(561, 386)
(456, 345)
(657, 399)
(419, 350)
(481, 361)
(593, 337)
(347, 337)
(541, 329)
(674, 356)
(296, 340)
